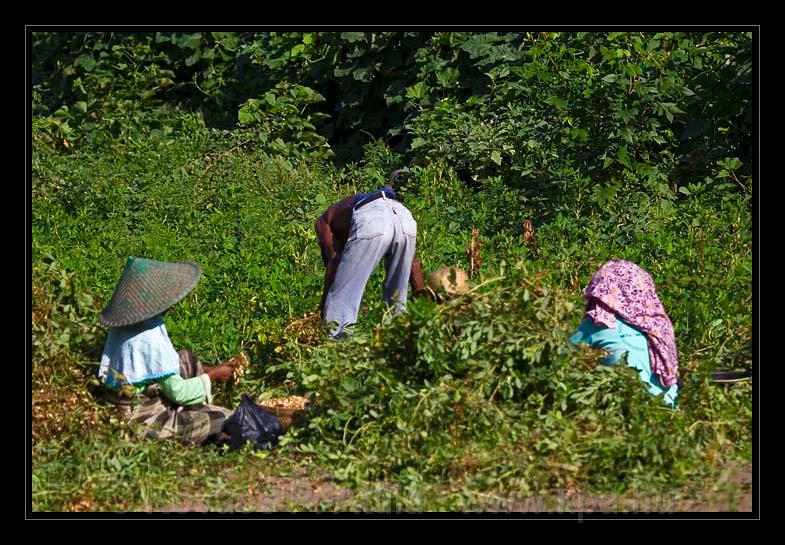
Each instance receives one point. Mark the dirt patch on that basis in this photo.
(298, 491)
(731, 493)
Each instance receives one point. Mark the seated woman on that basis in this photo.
(624, 315)
(170, 392)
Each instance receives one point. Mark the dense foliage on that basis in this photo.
(222, 148)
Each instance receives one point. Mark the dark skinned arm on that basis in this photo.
(219, 373)
(326, 240)
(330, 256)
(332, 230)
(416, 278)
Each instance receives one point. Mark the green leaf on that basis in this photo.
(448, 77)
(683, 190)
(557, 102)
(417, 142)
(190, 41)
(352, 37)
(478, 45)
(248, 111)
(417, 91)
(361, 74)
(623, 157)
(309, 379)
(193, 59)
(244, 116)
(86, 61)
(340, 72)
(627, 114)
(730, 164)
(317, 117)
(580, 134)
(610, 78)
(496, 157)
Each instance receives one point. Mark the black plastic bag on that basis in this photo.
(252, 423)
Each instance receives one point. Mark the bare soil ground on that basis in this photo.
(301, 492)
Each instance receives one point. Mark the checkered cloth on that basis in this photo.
(160, 418)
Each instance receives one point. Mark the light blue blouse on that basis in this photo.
(141, 352)
(625, 338)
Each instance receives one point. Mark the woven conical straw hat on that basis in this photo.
(147, 288)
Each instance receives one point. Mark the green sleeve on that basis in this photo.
(192, 391)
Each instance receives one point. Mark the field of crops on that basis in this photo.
(531, 159)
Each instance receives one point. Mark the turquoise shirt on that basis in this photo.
(625, 338)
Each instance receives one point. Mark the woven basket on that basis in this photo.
(290, 411)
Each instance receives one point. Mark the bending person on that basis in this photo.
(625, 316)
(354, 235)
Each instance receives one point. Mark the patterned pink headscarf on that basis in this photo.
(622, 288)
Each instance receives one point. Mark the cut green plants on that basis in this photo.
(528, 159)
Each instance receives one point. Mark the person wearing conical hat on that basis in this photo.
(354, 235)
(168, 393)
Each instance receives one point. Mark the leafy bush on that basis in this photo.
(277, 119)
(576, 152)
(492, 373)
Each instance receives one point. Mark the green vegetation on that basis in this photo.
(222, 148)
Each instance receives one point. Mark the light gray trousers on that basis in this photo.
(382, 228)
